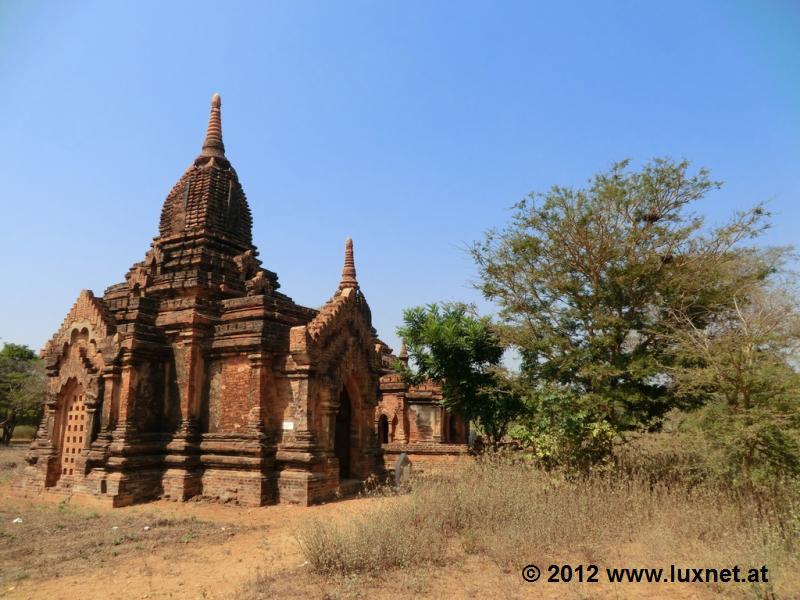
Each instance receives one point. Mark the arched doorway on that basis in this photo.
(383, 429)
(341, 439)
(73, 427)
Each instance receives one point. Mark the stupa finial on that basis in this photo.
(213, 146)
(349, 270)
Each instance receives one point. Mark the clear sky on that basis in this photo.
(411, 126)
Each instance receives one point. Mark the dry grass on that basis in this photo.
(364, 544)
(515, 514)
(24, 432)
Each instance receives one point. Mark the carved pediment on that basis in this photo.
(343, 316)
(89, 319)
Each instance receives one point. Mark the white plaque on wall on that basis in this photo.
(288, 425)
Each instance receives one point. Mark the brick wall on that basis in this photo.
(229, 394)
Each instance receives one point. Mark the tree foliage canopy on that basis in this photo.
(462, 351)
(589, 281)
(741, 366)
(22, 386)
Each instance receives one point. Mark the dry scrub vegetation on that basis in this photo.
(514, 514)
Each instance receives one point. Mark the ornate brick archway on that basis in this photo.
(72, 426)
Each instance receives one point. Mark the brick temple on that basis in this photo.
(411, 419)
(196, 376)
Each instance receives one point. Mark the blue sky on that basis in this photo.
(411, 126)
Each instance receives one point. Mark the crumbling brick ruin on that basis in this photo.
(197, 377)
(411, 419)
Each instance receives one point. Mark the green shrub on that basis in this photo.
(563, 431)
(757, 447)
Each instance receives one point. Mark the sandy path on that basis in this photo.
(196, 569)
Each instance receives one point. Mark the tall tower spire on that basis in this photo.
(349, 270)
(213, 146)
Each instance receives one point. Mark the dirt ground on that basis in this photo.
(70, 549)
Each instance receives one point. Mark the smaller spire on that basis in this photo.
(349, 270)
(403, 356)
(213, 146)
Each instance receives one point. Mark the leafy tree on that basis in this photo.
(22, 388)
(453, 346)
(499, 403)
(563, 431)
(589, 281)
(743, 367)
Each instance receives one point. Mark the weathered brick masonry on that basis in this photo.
(196, 376)
(411, 419)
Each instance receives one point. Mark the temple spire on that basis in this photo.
(213, 146)
(349, 270)
(403, 356)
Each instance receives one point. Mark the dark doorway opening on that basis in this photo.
(453, 436)
(341, 440)
(383, 429)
